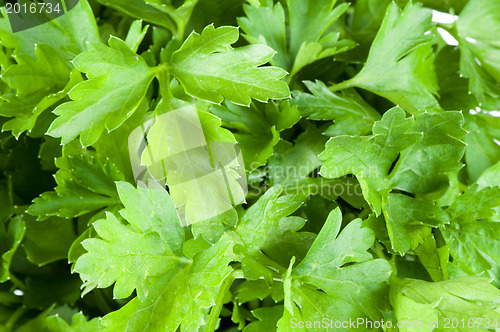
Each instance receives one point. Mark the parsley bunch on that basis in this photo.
(370, 134)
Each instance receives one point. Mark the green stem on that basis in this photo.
(343, 85)
(18, 283)
(392, 262)
(377, 248)
(216, 310)
(65, 8)
(14, 318)
(163, 76)
(379, 251)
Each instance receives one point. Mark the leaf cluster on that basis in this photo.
(370, 135)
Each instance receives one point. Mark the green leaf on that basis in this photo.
(400, 63)
(467, 298)
(134, 256)
(47, 73)
(118, 81)
(294, 167)
(310, 38)
(213, 229)
(268, 318)
(366, 20)
(47, 241)
(266, 227)
(181, 297)
(310, 52)
(490, 177)
(352, 115)
(11, 235)
(84, 185)
(404, 215)
(434, 259)
(79, 323)
(319, 16)
(258, 127)
(371, 158)
(477, 25)
(68, 34)
(250, 290)
(474, 239)
(338, 279)
(423, 167)
(481, 151)
(34, 81)
(291, 165)
(453, 87)
(429, 148)
(160, 13)
(210, 69)
(266, 25)
(136, 35)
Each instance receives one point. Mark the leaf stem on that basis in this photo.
(163, 76)
(18, 283)
(14, 318)
(343, 85)
(216, 310)
(379, 251)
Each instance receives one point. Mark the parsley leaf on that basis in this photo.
(94, 107)
(371, 159)
(352, 115)
(400, 63)
(266, 227)
(309, 37)
(462, 298)
(33, 80)
(84, 184)
(11, 234)
(482, 151)
(67, 34)
(180, 297)
(133, 256)
(78, 324)
(343, 270)
(474, 239)
(476, 26)
(210, 69)
(264, 121)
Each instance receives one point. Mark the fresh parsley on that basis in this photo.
(368, 134)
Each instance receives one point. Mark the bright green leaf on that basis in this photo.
(266, 227)
(400, 63)
(338, 279)
(134, 256)
(474, 239)
(181, 297)
(468, 298)
(201, 65)
(118, 81)
(78, 324)
(84, 185)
